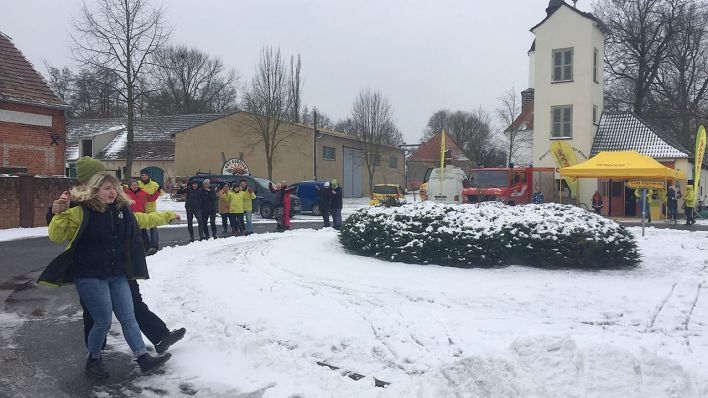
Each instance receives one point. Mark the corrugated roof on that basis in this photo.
(625, 131)
(430, 151)
(20, 81)
(154, 136)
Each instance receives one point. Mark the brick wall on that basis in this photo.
(42, 192)
(29, 146)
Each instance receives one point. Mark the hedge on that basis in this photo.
(490, 234)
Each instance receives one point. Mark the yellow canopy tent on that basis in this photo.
(622, 165)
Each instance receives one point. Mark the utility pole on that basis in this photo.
(314, 146)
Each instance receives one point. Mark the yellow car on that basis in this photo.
(384, 192)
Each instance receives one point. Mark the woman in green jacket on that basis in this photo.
(105, 250)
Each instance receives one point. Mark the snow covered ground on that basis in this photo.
(261, 311)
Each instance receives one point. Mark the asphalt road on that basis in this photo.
(42, 353)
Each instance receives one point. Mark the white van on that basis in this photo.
(450, 190)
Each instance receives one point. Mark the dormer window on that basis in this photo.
(562, 65)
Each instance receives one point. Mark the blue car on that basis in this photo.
(309, 197)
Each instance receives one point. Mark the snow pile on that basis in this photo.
(261, 311)
(490, 234)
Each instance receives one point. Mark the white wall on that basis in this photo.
(567, 29)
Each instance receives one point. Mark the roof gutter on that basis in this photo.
(64, 108)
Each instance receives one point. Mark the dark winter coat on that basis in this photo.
(210, 201)
(101, 243)
(195, 197)
(325, 197)
(336, 198)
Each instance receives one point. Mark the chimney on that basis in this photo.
(526, 98)
(553, 5)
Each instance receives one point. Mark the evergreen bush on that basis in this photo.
(490, 234)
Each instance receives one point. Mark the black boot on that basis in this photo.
(169, 339)
(148, 363)
(94, 369)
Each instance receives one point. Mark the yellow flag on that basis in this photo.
(565, 157)
(442, 158)
(700, 153)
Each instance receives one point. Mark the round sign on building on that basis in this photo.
(235, 167)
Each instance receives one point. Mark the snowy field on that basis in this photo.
(261, 311)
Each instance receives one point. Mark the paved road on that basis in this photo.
(41, 338)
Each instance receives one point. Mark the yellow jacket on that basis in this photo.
(149, 188)
(248, 200)
(638, 195)
(65, 225)
(235, 200)
(690, 198)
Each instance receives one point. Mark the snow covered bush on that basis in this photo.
(490, 234)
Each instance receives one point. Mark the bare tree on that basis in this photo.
(295, 89)
(372, 123)
(307, 117)
(517, 139)
(682, 82)
(268, 99)
(91, 93)
(190, 81)
(471, 131)
(119, 37)
(639, 34)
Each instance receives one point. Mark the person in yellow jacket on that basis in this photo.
(690, 202)
(150, 187)
(104, 251)
(248, 197)
(647, 206)
(224, 206)
(234, 197)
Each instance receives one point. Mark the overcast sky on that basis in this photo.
(425, 55)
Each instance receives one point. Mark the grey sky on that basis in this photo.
(424, 55)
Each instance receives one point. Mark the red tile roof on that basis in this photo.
(523, 122)
(430, 151)
(19, 81)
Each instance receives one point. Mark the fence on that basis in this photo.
(24, 199)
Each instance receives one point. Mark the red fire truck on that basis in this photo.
(513, 186)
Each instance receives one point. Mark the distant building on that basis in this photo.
(154, 143)
(233, 140)
(428, 156)
(32, 117)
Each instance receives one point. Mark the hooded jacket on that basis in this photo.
(139, 198)
(72, 224)
(195, 197)
(150, 187)
(690, 198)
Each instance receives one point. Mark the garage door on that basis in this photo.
(353, 168)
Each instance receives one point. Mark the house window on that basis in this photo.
(594, 114)
(562, 121)
(86, 148)
(393, 162)
(562, 65)
(595, 61)
(328, 153)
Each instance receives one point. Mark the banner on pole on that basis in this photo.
(700, 153)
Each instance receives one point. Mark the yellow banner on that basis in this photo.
(634, 184)
(700, 153)
(565, 157)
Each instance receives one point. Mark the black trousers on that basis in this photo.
(154, 239)
(145, 234)
(225, 222)
(208, 215)
(325, 215)
(236, 220)
(190, 227)
(150, 324)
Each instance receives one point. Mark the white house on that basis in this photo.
(566, 66)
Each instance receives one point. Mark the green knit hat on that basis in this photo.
(87, 167)
(334, 183)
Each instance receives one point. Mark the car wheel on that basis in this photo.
(267, 210)
(316, 210)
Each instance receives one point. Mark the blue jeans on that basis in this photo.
(247, 215)
(336, 218)
(102, 298)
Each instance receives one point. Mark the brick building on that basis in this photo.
(32, 117)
